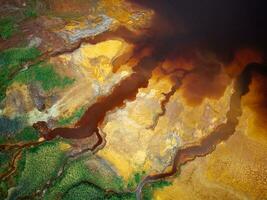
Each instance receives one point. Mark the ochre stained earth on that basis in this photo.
(114, 105)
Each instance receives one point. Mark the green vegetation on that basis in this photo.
(78, 171)
(16, 56)
(135, 179)
(20, 166)
(11, 130)
(2, 139)
(3, 189)
(41, 164)
(7, 27)
(9, 24)
(4, 160)
(149, 189)
(45, 75)
(30, 11)
(84, 191)
(27, 134)
(122, 196)
(73, 118)
(11, 61)
(90, 192)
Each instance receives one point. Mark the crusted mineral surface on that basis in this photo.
(100, 109)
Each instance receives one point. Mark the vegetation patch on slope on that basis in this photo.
(91, 192)
(78, 171)
(135, 179)
(28, 134)
(46, 75)
(7, 27)
(11, 61)
(41, 164)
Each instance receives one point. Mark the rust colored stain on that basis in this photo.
(95, 114)
(220, 134)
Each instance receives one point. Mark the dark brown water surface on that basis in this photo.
(220, 134)
(95, 114)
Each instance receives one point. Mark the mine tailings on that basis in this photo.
(221, 132)
(95, 114)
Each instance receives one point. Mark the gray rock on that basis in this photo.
(89, 30)
(37, 96)
(34, 42)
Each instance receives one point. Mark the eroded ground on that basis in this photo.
(90, 110)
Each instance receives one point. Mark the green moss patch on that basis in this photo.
(16, 56)
(90, 192)
(28, 134)
(135, 180)
(149, 189)
(30, 11)
(3, 190)
(7, 27)
(45, 75)
(41, 164)
(84, 170)
(11, 61)
(9, 24)
(4, 160)
(84, 191)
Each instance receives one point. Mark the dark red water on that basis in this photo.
(95, 114)
(221, 133)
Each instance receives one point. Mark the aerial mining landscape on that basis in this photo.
(133, 100)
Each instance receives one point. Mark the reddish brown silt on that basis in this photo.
(95, 114)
